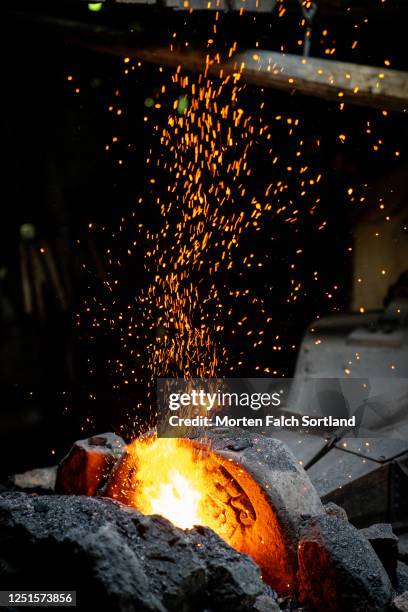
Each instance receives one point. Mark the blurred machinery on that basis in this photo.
(367, 475)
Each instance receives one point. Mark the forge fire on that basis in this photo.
(221, 481)
(204, 306)
(170, 480)
(166, 499)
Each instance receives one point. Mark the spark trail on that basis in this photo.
(204, 213)
(206, 198)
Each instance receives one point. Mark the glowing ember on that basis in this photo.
(178, 501)
(170, 481)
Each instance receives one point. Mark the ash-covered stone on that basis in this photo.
(88, 464)
(403, 547)
(402, 577)
(333, 509)
(39, 478)
(385, 543)
(225, 581)
(264, 603)
(400, 603)
(118, 559)
(339, 570)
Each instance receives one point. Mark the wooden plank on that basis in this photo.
(329, 79)
(353, 83)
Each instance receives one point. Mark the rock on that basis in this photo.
(230, 583)
(264, 603)
(273, 475)
(333, 509)
(40, 478)
(402, 577)
(403, 547)
(263, 491)
(339, 570)
(385, 543)
(88, 464)
(118, 559)
(400, 602)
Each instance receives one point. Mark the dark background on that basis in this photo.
(58, 375)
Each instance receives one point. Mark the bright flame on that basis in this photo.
(190, 484)
(170, 481)
(178, 501)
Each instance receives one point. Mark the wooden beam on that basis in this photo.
(329, 79)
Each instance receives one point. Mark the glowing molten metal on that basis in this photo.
(170, 481)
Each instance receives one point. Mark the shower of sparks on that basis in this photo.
(196, 228)
(205, 156)
(204, 214)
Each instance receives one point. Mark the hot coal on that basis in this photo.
(339, 570)
(255, 491)
(118, 559)
(88, 464)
